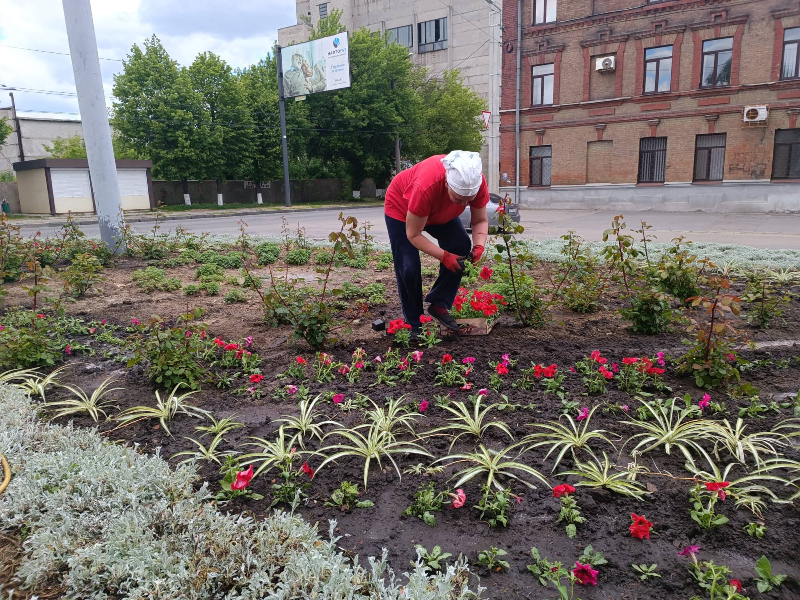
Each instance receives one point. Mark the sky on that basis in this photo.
(240, 31)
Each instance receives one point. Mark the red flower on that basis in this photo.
(242, 479)
(606, 373)
(231, 347)
(502, 369)
(563, 490)
(41, 316)
(486, 273)
(425, 319)
(585, 574)
(447, 359)
(300, 360)
(538, 371)
(630, 360)
(256, 378)
(218, 341)
(719, 487)
(550, 371)
(308, 471)
(458, 499)
(641, 527)
(737, 584)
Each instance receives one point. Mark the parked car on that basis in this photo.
(491, 209)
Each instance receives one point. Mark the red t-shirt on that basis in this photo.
(421, 190)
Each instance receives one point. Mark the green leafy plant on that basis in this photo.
(267, 253)
(545, 570)
(597, 474)
(291, 491)
(426, 501)
(679, 270)
(209, 272)
(83, 273)
(765, 305)
(714, 579)
(493, 506)
(297, 256)
(306, 423)
(345, 497)
(153, 279)
(270, 454)
(704, 514)
(93, 405)
(755, 530)
(433, 560)
(570, 514)
(208, 453)
(592, 557)
(235, 297)
(650, 312)
(472, 422)
(229, 472)
(165, 410)
(493, 464)
(646, 571)
(491, 559)
(766, 580)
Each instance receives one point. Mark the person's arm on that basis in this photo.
(480, 226)
(414, 227)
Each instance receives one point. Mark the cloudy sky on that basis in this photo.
(241, 31)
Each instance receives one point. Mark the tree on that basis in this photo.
(5, 130)
(158, 113)
(75, 147)
(450, 118)
(230, 136)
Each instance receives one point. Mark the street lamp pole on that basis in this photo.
(15, 118)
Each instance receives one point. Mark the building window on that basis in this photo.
(432, 35)
(541, 157)
(717, 59)
(323, 10)
(709, 157)
(544, 11)
(542, 84)
(652, 159)
(657, 69)
(402, 35)
(786, 161)
(791, 54)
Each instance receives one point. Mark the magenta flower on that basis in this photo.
(359, 365)
(483, 392)
(242, 479)
(615, 367)
(660, 359)
(423, 406)
(417, 355)
(469, 360)
(625, 407)
(68, 350)
(248, 341)
(337, 398)
(252, 390)
(572, 370)
(703, 404)
(135, 321)
(291, 390)
(585, 574)
(378, 359)
(506, 357)
(188, 334)
(103, 322)
(689, 551)
(459, 498)
(584, 414)
(731, 357)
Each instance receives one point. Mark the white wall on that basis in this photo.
(36, 133)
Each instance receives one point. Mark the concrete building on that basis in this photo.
(37, 132)
(440, 35)
(664, 105)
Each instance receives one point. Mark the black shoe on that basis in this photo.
(444, 318)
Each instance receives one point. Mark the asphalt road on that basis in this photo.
(772, 231)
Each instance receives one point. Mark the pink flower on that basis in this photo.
(483, 392)
(252, 390)
(1, 328)
(572, 370)
(359, 365)
(585, 574)
(291, 390)
(337, 398)
(344, 370)
(417, 355)
(378, 359)
(403, 366)
(103, 322)
(506, 357)
(459, 498)
(625, 407)
(242, 479)
(423, 406)
(660, 357)
(68, 350)
(135, 321)
(584, 414)
(731, 357)
(249, 341)
(615, 367)
(703, 404)
(469, 360)
(466, 386)
(188, 334)
(689, 551)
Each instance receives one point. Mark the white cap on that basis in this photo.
(464, 171)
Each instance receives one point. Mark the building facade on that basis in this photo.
(440, 35)
(663, 105)
(37, 132)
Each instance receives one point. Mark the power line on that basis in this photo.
(478, 27)
(51, 52)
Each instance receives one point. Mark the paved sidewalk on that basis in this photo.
(771, 231)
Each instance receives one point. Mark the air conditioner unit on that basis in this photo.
(755, 114)
(606, 64)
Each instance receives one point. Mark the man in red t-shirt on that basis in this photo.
(430, 197)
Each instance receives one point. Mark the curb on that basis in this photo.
(199, 215)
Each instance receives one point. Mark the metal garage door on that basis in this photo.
(71, 183)
(132, 182)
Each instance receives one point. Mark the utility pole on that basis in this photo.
(284, 143)
(94, 119)
(495, 45)
(16, 125)
(516, 108)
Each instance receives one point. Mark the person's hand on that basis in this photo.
(451, 262)
(475, 254)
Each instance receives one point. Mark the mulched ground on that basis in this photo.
(568, 338)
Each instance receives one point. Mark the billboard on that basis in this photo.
(320, 65)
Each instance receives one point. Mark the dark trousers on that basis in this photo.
(407, 266)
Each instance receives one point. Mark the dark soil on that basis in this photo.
(568, 338)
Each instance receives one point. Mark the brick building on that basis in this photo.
(630, 104)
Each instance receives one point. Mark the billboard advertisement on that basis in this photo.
(320, 65)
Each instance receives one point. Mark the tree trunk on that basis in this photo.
(185, 187)
(219, 192)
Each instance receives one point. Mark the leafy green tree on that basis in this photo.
(158, 113)
(5, 130)
(230, 135)
(75, 147)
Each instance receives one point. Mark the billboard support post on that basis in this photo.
(284, 144)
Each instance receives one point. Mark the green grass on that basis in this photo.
(269, 207)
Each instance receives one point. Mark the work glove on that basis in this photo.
(452, 262)
(475, 254)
